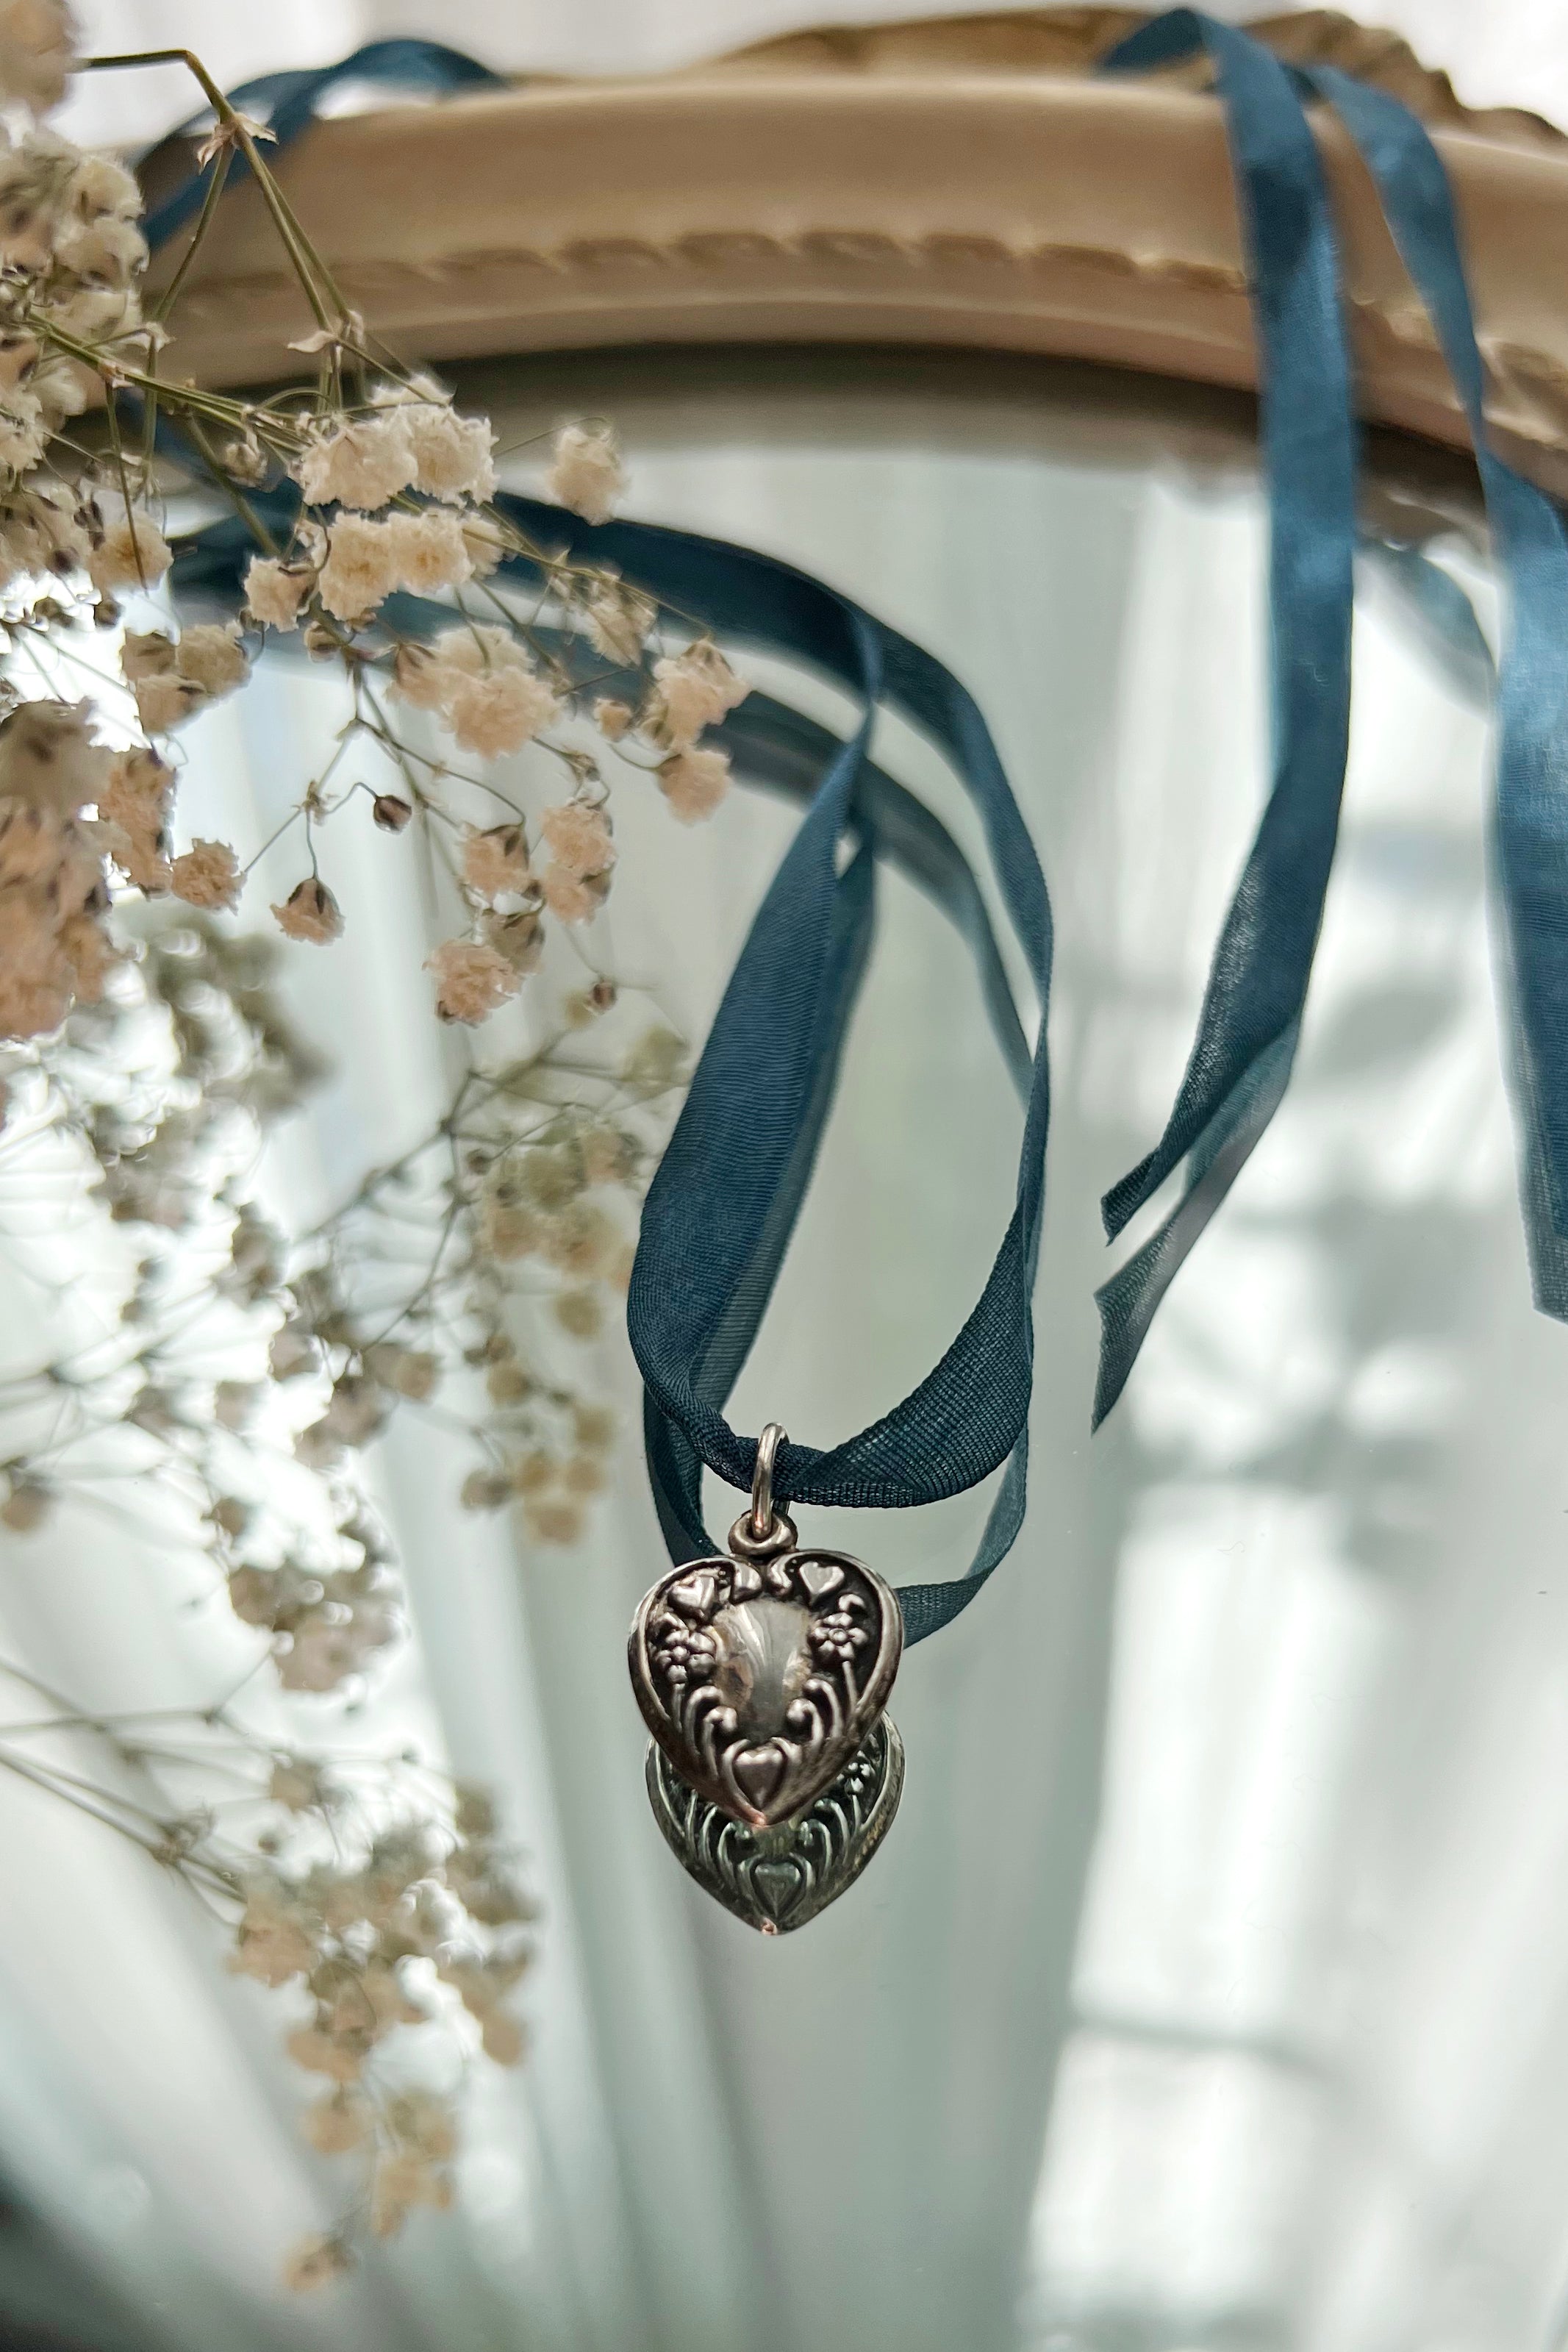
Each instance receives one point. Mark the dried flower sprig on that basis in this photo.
(475, 1266)
(480, 1264)
(375, 1896)
(392, 493)
(460, 1279)
(160, 1094)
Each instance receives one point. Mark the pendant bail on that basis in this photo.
(767, 1445)
(763, 1532)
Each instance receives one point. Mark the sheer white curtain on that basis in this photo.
(1209, 1990)
(1498, 52)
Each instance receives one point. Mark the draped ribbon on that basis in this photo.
(727, 1195)
(1528, 542)
(1251, 1022)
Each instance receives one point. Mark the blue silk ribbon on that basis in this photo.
(725, 1201)
(1528, 541)
(1250, 1020)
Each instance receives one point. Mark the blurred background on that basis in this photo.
(1500, 53)
(1211, 1994)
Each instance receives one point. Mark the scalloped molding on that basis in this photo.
(955, 181)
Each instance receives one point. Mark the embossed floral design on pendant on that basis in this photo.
(759, 1681)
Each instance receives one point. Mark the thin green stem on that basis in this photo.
(315, 279)
(171, 293)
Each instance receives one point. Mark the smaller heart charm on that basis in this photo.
(761, 1677)
(778, 1878)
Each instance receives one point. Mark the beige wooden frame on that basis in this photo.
(961, 183)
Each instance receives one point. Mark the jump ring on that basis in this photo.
(767, 1445)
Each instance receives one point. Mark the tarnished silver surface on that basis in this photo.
(760, 1679)
(761, 1674)
(778, 1878)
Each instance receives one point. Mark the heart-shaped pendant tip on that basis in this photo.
(777, 1879)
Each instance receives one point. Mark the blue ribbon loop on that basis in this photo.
(724, 1203)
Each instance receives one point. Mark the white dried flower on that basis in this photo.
(486, 541)
(42, 530)
(579, 1238)
(691, 691)
(694, 783)
(482, 682)
(420, 677)
(477, 647)
(95, 314)
(207, 876)
(23, 432)
(48, 760)
(162, 703)
(317, 2261)
(361, 567)
(137, 791)
(311, 913)
(148, 661)
(430, 553)
(35, 843)
(321, 1653)
(30, 177)
(363, 463)
(484, 1490)
(581, 1312)
(498, 713)
(132, 553)
(585, 473)
(136, 800)
(519, 937)
(657, 1058)
(619, 619)
(612, 719)
(271, 1942)
(496, 862)
(38, 46)
(339, 2124)
(551, 1519)
(471, 980)
(98, 185)
(211, 658)
(399, 2183)
(19, 357)
(105, 251)
(410, 1372)
(274, 591)
(578, 837)
(299, 1784)
(451, 453)
(573, 897)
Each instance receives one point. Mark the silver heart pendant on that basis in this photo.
(778, 1878)
(761, 1676)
